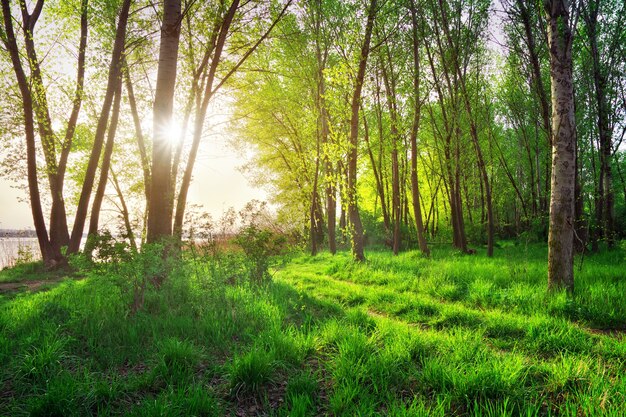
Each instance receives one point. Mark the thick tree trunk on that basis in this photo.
(112, 84)
(356, 227)
(160, 210)
(560, 239)
(58, 221)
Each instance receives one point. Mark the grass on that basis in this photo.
(397, 336)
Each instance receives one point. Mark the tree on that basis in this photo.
(561, 233)
(221, 31)
(417, 104)
(351, 188)
(36, 109)
(160, 204)
(602, 18)
(113, 80)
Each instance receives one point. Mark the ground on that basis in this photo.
(402, 336)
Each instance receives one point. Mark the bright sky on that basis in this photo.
(217, 185)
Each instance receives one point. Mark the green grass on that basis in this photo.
(394, 336)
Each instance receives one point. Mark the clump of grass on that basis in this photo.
(301, 395)
(288, 347)
(177, 360)
(181, 402)
(251, 371)
(41, 362)
(62, 397)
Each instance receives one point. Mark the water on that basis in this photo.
(14, 249)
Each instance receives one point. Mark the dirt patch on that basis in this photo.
(31, 285)
(617, 332)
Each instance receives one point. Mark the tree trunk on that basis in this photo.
(377, 175)
(59, 215)
(104, 170)
(125, 214)
(94, 158)
(29, 129)
(536, 68)
(604, 131)
(201, 110)
(141, 143)
(395, 168)
(58, 221)
(329, 180)
(356, 226)
(315, 224)
(473, 134)
(160, 210)
(560, 239)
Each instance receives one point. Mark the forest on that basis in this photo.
(445, 225)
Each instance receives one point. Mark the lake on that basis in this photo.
(12, 248)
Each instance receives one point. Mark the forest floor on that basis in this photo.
(399, 336)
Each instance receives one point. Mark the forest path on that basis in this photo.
(31, 285)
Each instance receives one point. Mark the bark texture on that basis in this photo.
(160, 210)
(561, 233)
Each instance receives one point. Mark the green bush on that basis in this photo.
(259, 245)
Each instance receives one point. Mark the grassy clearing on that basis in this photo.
(397, 336)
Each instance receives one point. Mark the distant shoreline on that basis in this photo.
(17, 233)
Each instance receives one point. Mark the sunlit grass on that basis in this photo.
(398, 336)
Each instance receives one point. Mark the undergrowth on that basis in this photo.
(394, 336)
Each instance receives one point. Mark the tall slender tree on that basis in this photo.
(561, 235)
(357, 237)
(113, 80)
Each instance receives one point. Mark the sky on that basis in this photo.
(217, 185)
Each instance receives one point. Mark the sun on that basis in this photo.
(171, 131)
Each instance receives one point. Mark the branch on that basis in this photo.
(251, 50)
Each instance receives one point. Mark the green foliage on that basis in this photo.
(259, 245)
(107, 249)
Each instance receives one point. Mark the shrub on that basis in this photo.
(259, 245)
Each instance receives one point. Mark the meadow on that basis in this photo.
(455, 334)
